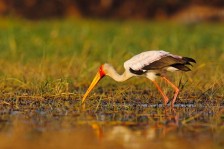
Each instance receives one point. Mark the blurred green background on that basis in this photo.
(55, 39)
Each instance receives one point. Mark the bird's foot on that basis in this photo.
(169, 109)
(173, 110)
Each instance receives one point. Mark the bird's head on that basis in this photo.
(103, 71)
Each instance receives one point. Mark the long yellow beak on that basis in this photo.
(94, 82)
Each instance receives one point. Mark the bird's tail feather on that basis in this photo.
(188, 60)
(181, 67)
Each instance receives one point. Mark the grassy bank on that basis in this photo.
(57, 58)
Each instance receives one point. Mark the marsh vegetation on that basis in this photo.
(46, 67)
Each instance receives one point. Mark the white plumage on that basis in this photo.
(138, 61)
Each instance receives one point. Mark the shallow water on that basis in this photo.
(147, 125)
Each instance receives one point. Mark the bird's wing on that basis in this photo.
(143, 59)
(170, 60)
(164, 62)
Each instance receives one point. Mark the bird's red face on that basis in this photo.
(101, 71)
(100, 74)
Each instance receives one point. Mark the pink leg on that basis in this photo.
(165, 98)
(175, 88)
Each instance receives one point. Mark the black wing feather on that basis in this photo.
(188, 59)
(137, 72)
(181, 67)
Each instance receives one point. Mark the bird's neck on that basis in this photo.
(117, 77)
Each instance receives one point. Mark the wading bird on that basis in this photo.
(151, 64)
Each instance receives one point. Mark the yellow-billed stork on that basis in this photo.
(151, 64)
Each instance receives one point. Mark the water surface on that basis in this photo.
(122, 125)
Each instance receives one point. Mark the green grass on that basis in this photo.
(46, 66)
(59, 57)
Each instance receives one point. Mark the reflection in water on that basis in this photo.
(159, 129)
